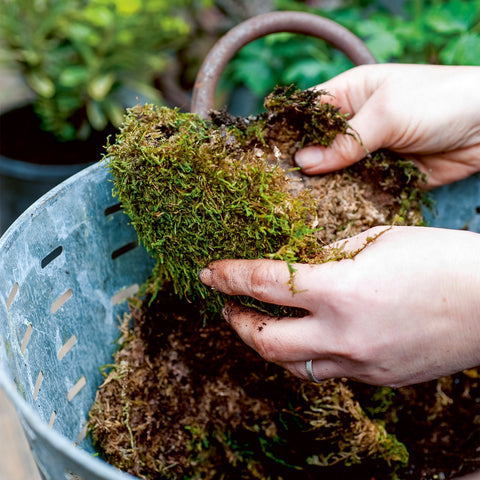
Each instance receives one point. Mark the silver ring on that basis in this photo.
(311, 376)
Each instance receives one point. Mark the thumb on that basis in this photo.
(366, 136)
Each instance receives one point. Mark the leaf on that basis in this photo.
(256, 75)
(465, 50)
(73, 76)
(384, 46)
(41, 84)
(99, 15)
(128, 7)
(410, 34)
(95, 115)
(114, 111)
(31, 57)
(452, 17)
(81, 33)
(100, 86)
(375, 25)
(304, 73)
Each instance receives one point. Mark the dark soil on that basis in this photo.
(439, 422)
(23, 139)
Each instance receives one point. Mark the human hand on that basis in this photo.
(428, 113)
(404, 310)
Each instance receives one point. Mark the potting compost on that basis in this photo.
(185, 398)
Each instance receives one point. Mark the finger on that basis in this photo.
(367, 135)
(354, 245)
(271, 281)
(280, 340)
(328, 95)
(268, 281)
(350, 90)
(447, 167)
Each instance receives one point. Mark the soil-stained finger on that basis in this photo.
(279, 340)
(270, 281)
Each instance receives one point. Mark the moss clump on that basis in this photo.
(193, 196)
(198, 191)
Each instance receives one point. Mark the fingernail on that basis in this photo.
(308, 157)
(205, 277)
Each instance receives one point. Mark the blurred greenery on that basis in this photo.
(82, 57)
(409, 31)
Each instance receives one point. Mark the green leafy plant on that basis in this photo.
(81, 57)
(423, 31)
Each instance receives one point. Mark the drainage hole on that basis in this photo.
(37, 386)
(61, 300)
(53, 417)
(51, 256)
(12, 295)
(67, 346)
(26, 338)
(122, 250)
(113, 209)
(125, 293)
(76, 389)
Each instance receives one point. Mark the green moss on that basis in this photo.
(193, 197)
(198, 191)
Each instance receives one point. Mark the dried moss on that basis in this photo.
(171, 409)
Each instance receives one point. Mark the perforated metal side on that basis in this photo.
(66, 266)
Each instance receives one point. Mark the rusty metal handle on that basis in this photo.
(260, 26)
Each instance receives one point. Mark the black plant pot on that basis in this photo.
(33, 161)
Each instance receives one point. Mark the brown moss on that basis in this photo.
(186, 401)
(190, 401)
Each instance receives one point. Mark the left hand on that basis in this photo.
(428, 113)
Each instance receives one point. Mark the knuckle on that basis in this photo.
(297, 369)
(355, 347)
(261, 279)
(348, 149)
(266, 347)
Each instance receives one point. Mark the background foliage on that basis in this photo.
(80, 57)
(411, 31)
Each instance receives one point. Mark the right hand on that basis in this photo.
(404, 310)
(428, 113)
